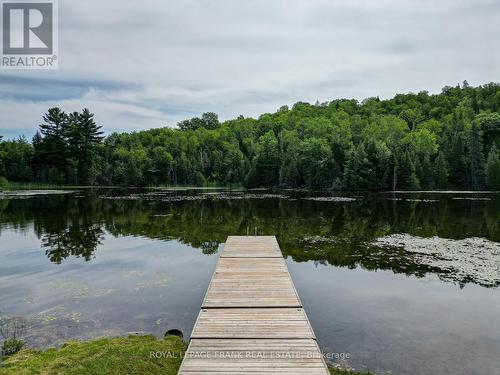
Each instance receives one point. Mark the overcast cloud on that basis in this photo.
(144, 64)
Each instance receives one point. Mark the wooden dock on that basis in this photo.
(251, 320)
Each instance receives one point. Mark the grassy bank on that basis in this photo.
(126, 355)
(130, 355)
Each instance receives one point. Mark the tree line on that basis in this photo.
(411, 141)
(66, 149)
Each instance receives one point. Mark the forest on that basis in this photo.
(412, 141)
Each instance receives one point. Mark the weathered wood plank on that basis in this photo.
(253, 356)
(278, 323)
(252, 321)
(251, 282)
(251, 247)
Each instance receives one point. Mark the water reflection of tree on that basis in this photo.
(209, 247)
(77, 240)
(66, 226)
(336, 233)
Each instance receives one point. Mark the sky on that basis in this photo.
(151, 63)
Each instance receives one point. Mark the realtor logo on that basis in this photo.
(29, 34)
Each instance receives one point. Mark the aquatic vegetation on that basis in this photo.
(132, 273)
(319, 239)
(31, 193)
(158, 280)
(472, 259)
(331, 199)
(169, 197)
(77, 289)
(471, 199)
(422, 200)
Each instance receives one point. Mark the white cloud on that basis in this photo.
(181, 58)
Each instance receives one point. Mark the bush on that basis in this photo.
(11, 346)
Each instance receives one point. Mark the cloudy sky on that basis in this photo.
(144, 64)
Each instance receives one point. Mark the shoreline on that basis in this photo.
(119, 355)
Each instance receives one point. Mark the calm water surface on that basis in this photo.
(97, 263)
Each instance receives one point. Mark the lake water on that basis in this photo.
(110, 262)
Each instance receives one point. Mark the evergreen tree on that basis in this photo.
(440, 172)
(424, 172)
(493, 169)
(457, 161)
(55, 120)
(84, 137)
(436, 141)
(289, 174)
(358, 170)
(380, 164)
(53, 150)
(476, 158)
(266, 162)
(38, 162)
(407, 178)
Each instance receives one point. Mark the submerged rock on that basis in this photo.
(472, 259)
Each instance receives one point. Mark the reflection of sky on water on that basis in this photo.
(134, 284)
(405, 324)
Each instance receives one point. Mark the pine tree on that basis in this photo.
(456, 161)
(440, 172)
(476, 158)
(358, 170)
(53, 150)
(289, 173)
(38, 161)
(493, 169)
(83, 136)
(252, 177)
(424, 172)
(407, 178)
(54, 123)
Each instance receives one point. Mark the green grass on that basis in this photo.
(117, 356)
(128, 355)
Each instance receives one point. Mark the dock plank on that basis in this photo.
(251, 282)
(251, 247)
(277, 323)
(252, 321)
(253, 356)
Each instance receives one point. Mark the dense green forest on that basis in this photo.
(412, 141)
